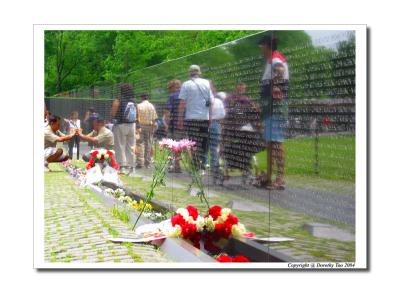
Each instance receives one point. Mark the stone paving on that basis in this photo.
(77, 226)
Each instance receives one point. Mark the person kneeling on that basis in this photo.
(101, 137)
(53, 135)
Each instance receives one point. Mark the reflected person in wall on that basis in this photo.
(241, 129)
(273, 93)
(74, 124)
(147, 116)
(124, 114)
(196, 98)
(171, 118)
(88, 120)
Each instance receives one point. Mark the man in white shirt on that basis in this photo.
(196, 99)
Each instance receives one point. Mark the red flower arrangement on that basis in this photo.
(218, 224)
(227, 258)
(101, 156)
(185, 225)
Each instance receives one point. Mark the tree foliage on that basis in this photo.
(75, 59)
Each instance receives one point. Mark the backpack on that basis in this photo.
(130, 113)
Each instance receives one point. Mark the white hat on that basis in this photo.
(195, 69)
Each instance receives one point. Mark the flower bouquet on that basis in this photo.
(102, 156)
(215, 229)
(169, 150)
(102, 167)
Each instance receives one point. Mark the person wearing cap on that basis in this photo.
(101, 137)
(196, 98)
(273, 92)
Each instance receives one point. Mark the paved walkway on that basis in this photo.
(77, 226)
(323, 204)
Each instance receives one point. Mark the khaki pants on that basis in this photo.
(124, 142)
(145, 145)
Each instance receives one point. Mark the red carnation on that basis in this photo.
(178, 220)
(192, 212)
(188, 230)
(232, 220)
(215, 212)
(240, 258)
(224, 258)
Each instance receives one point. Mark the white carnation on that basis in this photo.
(225, 213)
(174, 232)
(238, 230)
(190, 220)
(209, 223)
(184, 213)
(200, 222)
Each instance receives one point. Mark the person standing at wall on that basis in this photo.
(217, 115)
(74, 124)
(171, 118)
(147, 116)
(241, 128)
(90, 116)
(124, 113)
(273, 93)
(196, 98)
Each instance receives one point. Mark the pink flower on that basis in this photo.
(176, 146)
(186, 144)
(166, 142)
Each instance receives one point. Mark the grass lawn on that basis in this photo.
(336, 157)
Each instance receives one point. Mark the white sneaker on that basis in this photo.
(132, 173)
(124, 170)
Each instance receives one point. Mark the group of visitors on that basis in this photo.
(129, 122)
(231, 126)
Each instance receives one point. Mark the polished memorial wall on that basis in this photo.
(283, 156)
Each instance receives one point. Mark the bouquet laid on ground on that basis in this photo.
(102, 156)
(216, 227)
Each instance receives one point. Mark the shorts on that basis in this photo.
(274, 129)
(49, 152)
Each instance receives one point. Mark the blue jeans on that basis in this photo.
(215, 138)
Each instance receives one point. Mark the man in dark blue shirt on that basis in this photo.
(171, 110)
